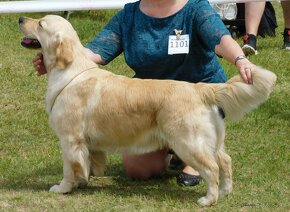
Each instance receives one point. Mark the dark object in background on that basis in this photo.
(268, 22)
(67, 14)
(267, 26)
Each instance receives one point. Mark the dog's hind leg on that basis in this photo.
(76, 166)
(223, 159)
(225, 165)
(97, 162)
(195, 154)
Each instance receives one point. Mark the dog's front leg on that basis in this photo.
(76, 167)
(67, 182)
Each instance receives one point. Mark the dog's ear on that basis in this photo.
(64, 54)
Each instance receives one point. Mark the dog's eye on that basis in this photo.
(39, 24)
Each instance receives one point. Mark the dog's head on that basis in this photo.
(53, 34)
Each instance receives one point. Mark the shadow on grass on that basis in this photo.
(38, 180)
(114, 184)
(154, 188)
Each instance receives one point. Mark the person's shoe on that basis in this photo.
(250, 47)
(188, 180)
(286, 35)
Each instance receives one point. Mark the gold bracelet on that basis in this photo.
(240, 57)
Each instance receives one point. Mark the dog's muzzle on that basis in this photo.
(26, 41)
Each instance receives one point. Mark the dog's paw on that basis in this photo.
(204, 201)
(55, 189)
(60, 189)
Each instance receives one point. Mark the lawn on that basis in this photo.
(30, 156)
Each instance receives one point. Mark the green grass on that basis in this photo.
(30, 156)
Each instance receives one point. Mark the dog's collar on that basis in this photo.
(59, 92)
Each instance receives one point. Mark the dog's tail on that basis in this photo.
(236, 97)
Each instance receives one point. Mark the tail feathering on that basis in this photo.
(237, 98)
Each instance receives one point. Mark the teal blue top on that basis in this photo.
(144, 42)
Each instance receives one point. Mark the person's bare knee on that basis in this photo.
(146, 165)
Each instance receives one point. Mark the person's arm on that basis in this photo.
(107, 45)
(230, 50)
(94, 57)
(215, 36)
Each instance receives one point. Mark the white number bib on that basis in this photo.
(178, 44)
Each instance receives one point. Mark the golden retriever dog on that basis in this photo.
(93, 111)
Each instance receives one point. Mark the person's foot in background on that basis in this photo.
(250, 44)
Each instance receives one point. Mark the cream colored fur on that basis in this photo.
(93, 111)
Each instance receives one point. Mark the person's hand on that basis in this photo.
(39, 64)
(245, 67)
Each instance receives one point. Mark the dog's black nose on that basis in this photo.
(20, 20)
